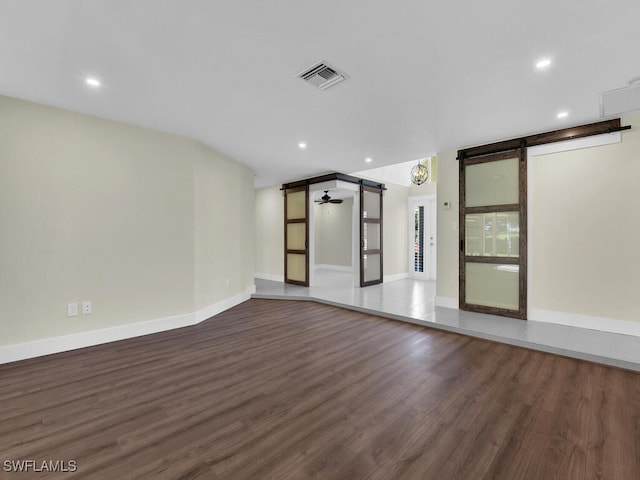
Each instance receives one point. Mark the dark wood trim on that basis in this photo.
(334, 176)
(305, 220)
(306, 235)
(296, 282)
(286, 234)
(511, 207)
(598, 128)
(363, 221)
(361, 236)
(492, 260)
(462, 195)
(522, 236)
(503, 312)
(493, 157)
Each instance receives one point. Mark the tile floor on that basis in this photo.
(414, 301)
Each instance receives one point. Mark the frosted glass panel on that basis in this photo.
(296, 267)
(296, 236)
(371, 265)
(492, 183)
(371, 236)
(296, 205)
(492, 285)
(492, 234)
(371, 204)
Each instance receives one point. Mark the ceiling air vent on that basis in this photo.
(621, 100)
(322, 75)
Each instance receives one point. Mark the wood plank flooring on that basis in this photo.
(297, 390)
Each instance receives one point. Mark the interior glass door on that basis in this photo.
(370, 236)
(493, 233)
(296, 236)
(422, 238)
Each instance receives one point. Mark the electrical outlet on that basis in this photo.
(227, 282)
(86, 308)
(72, 310)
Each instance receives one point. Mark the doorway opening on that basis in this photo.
(422, 237)
(331, 260)
(366, 226)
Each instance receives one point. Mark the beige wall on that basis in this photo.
(424, 189)
(396, 226)
(96, 210)
(583, 229)
(447, 230)
(224, 227)
(269, 228)
(333, 233)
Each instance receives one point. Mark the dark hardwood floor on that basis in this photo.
(297, 390)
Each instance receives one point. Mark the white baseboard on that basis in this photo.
(447, 302)
(270, 276)
(226, 304)
(624, 327)
(339, 268)
(38, 348)
(397, 276)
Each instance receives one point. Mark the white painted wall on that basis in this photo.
(144, 224)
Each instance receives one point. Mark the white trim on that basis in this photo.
(48, 346)
(270, 276)
(339, 268)
(397, 276)
(447, 302)
(575, 144)
(223, 305)
(610, 325)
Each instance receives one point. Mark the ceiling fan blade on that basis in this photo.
(337, 200)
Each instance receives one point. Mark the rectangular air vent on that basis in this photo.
(621, 100)
(322, 75)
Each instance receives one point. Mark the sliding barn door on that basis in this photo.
(296, 236)
(370, 236)
(493, 227)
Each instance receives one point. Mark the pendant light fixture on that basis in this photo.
(419, 174)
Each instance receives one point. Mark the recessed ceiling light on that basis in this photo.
(302, 145)
(93, 82)
(562, 114)
(368, 160)
(543, 63)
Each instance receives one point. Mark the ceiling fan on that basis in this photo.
(327, 199)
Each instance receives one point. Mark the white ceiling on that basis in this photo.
(425, 76)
